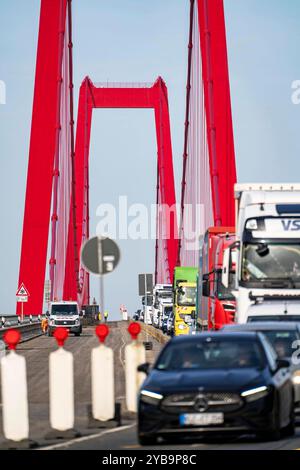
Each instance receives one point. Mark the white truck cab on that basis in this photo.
(268, 250)
(162, 295)
(65, 314)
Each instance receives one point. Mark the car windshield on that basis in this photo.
(282, 341)
(61, 309)
(225, 293)
(211, 354)
(186, 296)
(277, 263)
(293, 318)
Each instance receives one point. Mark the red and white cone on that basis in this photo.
(14, 391)
(135, 355)
(61, 384)
(103, 386)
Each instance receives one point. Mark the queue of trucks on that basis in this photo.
(246, 273)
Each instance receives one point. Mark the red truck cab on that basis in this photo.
(215, 304)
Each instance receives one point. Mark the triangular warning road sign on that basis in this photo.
(22, 291)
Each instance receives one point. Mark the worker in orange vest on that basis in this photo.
(44, 325)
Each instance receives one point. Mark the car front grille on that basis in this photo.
(65, 322)
(205, 401)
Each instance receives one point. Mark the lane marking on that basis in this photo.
(121, 350)
(85, 438)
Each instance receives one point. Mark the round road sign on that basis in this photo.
(100, 255)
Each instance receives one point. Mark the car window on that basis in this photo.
(269, 350)
(214, 354)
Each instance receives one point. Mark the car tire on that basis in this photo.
(275, 433)
(77, 334)
(290, 429)
(147, 440)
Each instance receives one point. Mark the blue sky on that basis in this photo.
(134, 40)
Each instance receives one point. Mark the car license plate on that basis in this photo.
(201, 419)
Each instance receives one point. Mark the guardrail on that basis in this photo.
(29, 327)
(155, 333)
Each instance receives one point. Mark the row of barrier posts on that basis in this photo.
(61, 382)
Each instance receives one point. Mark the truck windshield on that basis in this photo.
(222, 292)
(271, 265)
(61, 309)
(147, 301)
(186, 296)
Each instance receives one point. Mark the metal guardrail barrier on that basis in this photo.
(155, 333)
(29, 327)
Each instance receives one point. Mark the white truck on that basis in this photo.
(65, 314)
(162, 295)
(267, 252)
(147, 309)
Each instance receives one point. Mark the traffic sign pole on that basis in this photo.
(101, 283)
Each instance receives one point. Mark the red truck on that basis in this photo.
(215, 303)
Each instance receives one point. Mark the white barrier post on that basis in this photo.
(102, 378)
(14, 391)
(135, 355)
(61, 384)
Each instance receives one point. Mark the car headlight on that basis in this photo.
(77, 321)
(150, 397)
(181, 326)
(296, 377)
(255, 393)
(52, 322)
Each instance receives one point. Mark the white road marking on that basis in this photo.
(86, 438)
(121, 350)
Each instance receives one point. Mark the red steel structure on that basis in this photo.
(209, 171)
(58, 179)
(130, 96)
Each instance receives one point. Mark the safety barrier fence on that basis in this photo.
(14, 388)
(29, 328)
(155, 333)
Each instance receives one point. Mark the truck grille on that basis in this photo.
(206, 401)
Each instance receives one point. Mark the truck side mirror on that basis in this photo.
(206, 288)
(226, 268)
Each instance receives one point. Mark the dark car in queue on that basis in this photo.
(216, 383)
(285, 339)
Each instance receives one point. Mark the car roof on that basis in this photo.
(262, 326)
(215, 335)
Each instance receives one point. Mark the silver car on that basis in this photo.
(285, 339)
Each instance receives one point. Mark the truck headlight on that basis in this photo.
(255, 393)
(152, 398)
(296, 377)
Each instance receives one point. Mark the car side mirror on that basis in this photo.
(47, 313)
(283, 363)
(81, 313)
(144, 368)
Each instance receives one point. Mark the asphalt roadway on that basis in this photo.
(90, 437)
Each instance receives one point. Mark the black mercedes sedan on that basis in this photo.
(216, 383)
